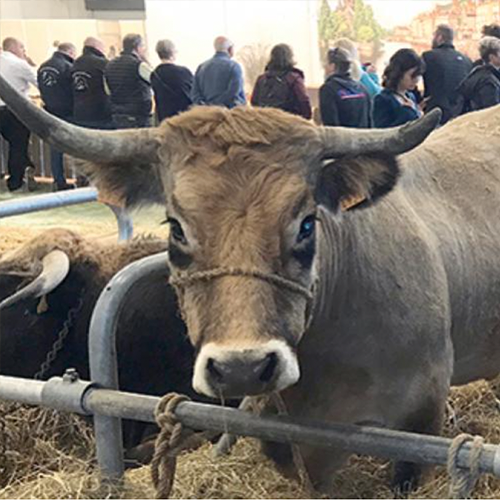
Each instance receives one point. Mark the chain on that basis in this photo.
(61, 337)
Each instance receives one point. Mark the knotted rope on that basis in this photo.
(172, 439)
(462, 481)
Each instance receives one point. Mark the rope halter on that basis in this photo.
(181, 280)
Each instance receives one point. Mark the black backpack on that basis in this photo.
(275, 92)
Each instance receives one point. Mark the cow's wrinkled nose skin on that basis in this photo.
(239, 376)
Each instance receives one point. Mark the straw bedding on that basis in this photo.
(45, 454)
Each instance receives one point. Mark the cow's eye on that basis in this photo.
(307, 227)
(176, 230)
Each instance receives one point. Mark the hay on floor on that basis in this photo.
(51, 455)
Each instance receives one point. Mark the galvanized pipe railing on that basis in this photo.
(38, 203)
(102, 354)
(71, 394)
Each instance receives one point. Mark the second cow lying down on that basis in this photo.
(154, 354)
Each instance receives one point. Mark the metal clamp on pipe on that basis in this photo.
(66, 393)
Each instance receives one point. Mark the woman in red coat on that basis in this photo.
(282, 84)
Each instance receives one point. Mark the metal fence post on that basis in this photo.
(29, 204)
(103, 360)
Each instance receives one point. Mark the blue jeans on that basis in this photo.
(57, 167)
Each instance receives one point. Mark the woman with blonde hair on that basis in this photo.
(357, 72)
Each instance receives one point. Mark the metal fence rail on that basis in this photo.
(29, 204)
(71, 394)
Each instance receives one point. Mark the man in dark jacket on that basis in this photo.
(445, 69)
(481, 88)
(55, 84)
(128, 77)
(171, 83)
(343, 101)
(91, 107)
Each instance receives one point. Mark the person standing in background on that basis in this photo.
(445, 68)
(396, 104)
(219, 81)
(56, 89)
(128, 78)
(18, 72)
(172, 84)
(282, 85)
(488, 30)
(369, 81)
(91, 107)
(343, 101)
(481, 88)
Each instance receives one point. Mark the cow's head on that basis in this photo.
(242, 190)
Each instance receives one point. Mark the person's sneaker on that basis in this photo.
(82, 181)
(31, 183)
(64, 187)
(14, 187)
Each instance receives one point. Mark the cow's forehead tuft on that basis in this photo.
(241, 125)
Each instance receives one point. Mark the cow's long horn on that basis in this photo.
(340, 141)
(98, 146)
(55, 267)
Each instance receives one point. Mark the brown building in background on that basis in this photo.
(467, 17)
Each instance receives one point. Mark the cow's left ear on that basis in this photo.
(356, 182)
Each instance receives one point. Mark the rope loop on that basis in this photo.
(462, 481)
(172, 439)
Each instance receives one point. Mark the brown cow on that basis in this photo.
(355, 315)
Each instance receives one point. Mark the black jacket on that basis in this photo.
(172, 86)
(91, 103)
(130, 93)
(481, 88)
(445, 69)
(54, 82)
(344, 102)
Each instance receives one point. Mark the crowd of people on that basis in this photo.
(93, 91)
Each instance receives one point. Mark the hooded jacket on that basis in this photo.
(344, 102)
(481, 88)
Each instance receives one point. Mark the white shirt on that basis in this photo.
(17, 72)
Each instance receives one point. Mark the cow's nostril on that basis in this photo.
(270, 367)
(214, 372)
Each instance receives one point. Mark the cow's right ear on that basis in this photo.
(356, 182)
(126, 184)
